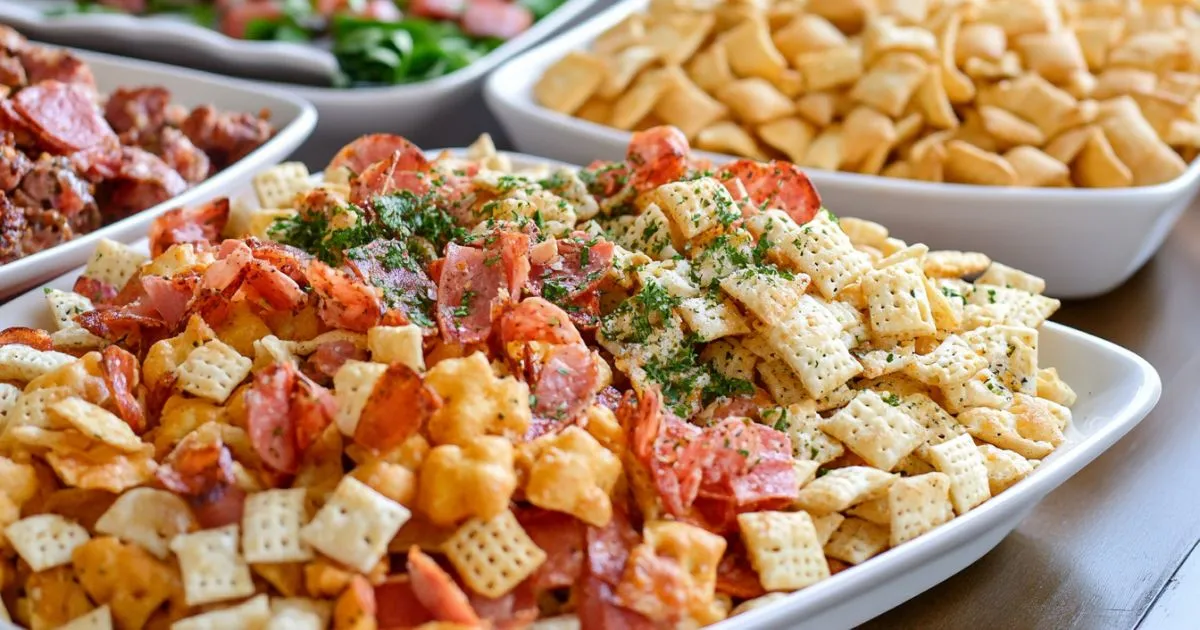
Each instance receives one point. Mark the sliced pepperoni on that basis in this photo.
(566, 384)
(654, 585)
(44, 64)
(656, 156)
(64, 117)
(95, 290)
(122, 324)
(581, 265)
(198, 224)
(313, 409)
(344, 301)
(775, 184)
(437, 591)
(33, 337)
(561, 536)
(493, 18)
(606, 554)
(142, 181)
(268, 418)
(328, 358)
(599, 610)
(122, 375)
(535, 319)
(605, 179)
(388, 265)
(476, 283)
(397, 408)
(170, 297)
(388, 177)
(197, 467)
(397, 606)
(738, 406)
(377, 147)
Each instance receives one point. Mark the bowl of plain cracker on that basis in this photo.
(1058, 135)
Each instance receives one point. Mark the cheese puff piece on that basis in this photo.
(476, 402)
(571, 472)
(457, 483)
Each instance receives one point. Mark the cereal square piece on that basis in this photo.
(939, 425)
(278, 186)
(697, 206)
(570, 82)
(148, 518)
(1004, 467)
(99, 619)
(875, 511)
(299, 613)
(918, 504)
(65, 305)
(97, 423)
(710, 319)
(251, 614)
(841, 488)
(730, 358)
(876, 429)
(76, 339)
(1000, 427)
(493, 556)
(212, 568)
(213, 371)
(9, 394)
(961, 460)
(802, 424)
(825, 525)
(1010, 353)
(770, 297)
(113, 263)
(22, 363)
(397, 344)
(897, 301)
(826, 254)
(806, 471)
(782, 383)
(784, 549)
(32, 409)
(355, 525)
(1004, 276)
(352, 387)
(857, 541)
(271, 525)
(882, 362)
(46, 540)
(981, 390)
(822, 363)
(1051, 387)
(953, 361)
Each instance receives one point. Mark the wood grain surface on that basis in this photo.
(1099, 551)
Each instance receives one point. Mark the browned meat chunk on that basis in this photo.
(225, 136)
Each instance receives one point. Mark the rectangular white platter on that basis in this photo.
(293, 118)
(345, 113)
(1116, 390)
(1084, 242)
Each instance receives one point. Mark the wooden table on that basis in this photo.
(1110, 548)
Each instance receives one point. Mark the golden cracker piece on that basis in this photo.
(493, 556)
(918, 504)
(784, 549)
(962, 462)
(841, 488)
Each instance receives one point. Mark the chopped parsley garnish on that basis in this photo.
(891, 399)
(464, 306)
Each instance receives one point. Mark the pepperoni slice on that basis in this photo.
(328, 358)
(656, 156)
(33, 337)
(561, 536)
(377, 147)
(64, 117)
(397, 408)
(170, 297)
(121, 375)
(476, 283)
(491, 18)
(98, 291)
(313, 409)
(535, 319)
(566, 384)
(397, 605)
(775, 184)
(581, 265)
(268, 421)
(437, 591)
(198, 224)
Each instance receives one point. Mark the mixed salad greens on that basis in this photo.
(376, 42)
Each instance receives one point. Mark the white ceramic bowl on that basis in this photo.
(1083, 242)
(293, 118)
(345, 113)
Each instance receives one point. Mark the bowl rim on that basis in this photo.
(522, 71)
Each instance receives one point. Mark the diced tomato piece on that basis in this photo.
(489, 18)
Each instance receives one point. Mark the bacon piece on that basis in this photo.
(437, 591)
(170, 297)
(325, 361)
(344, 302)
(475, 284)
(397, 408)
(656, 156)
(566, 384)
(377, 147)
(144, 180)
(493, 18)
(535, 319)
(198, 224)
(285, 258)
(122, 375)
(33, 337)
(775, 184)
(268, 418)
(64, 117)
(225, 136)
(121, 324)
(561, 536)
(197, 467)
(180, 154)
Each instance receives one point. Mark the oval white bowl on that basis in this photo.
(1084, 242)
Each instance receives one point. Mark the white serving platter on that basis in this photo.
(345, 113)
(1084, 242)
(1116, 390)
(293, 118)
